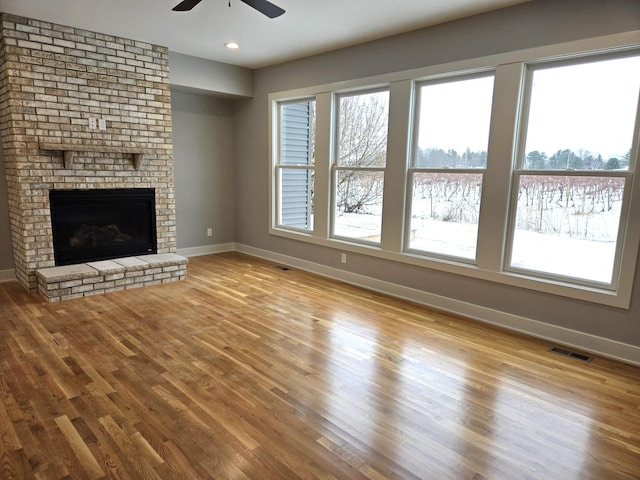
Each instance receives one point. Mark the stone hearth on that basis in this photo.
(72, 281)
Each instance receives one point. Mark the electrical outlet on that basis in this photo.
(209, 232)
(93, 123)
(343, 258)
(102, 124)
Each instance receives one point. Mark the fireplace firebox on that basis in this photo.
(100, 224)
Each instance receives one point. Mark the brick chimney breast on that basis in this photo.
(74, 88)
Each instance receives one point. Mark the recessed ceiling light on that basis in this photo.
(232, 45)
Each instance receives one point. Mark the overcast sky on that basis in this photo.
(565, 111)
(456, 115)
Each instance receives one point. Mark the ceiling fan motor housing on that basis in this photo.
(263, 6)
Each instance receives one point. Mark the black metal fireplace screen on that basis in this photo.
(101, 224)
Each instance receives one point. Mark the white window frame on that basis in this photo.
(503, 147)
(412, 169)
(336, 168)
(518, 171)
(279, 167)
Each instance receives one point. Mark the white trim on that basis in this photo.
(7, 275)
(554, 287)
(598, 345)
(206, 250)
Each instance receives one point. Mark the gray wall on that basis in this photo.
(203, 163)
(199, 75)
(537, 23)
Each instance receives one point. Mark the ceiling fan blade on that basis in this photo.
(265, 7)
(185, 5)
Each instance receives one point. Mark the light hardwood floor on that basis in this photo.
(248, 371)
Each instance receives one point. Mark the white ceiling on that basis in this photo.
(308, 26)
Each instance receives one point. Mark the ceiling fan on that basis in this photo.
(263, 6)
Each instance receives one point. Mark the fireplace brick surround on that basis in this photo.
(53, 79)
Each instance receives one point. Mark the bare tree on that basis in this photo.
(363, 143)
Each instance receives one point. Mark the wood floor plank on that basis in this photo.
(90, 467)
(14, 465)
(245, 371)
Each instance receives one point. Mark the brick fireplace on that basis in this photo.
(54, 80)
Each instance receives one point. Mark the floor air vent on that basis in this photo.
(567, 353)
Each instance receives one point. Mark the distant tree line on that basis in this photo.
(567, 205)
(569, 160)
(561, 160)
(439, 158)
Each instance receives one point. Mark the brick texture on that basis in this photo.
(74, 281)
(54, 78)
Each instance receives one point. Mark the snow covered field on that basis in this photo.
(557, 254)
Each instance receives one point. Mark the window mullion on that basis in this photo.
(322, 182)
(494, 207)
(393, 209)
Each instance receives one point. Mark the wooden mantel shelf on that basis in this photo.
(70, 149)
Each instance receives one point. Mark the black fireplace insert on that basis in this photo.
(101, 224)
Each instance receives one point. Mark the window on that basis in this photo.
(516, 168)
(358, 173)
(449, 161)
(575, 169)
(295, 168)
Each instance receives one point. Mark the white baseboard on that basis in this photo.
(206, 250)
(597, 345)
(7, 275)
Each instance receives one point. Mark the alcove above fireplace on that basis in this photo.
(102, 224)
